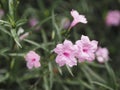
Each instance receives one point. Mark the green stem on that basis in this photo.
(11, 9)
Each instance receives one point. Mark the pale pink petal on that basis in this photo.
(60, 60)
(102, 54)
(67, 42)
(82, 19)
(30, 65)
(37, 64)
(94, 44)
(74, 14)
(100, 59)
(77, 18)
(85, 39)
(32, 55)
(58, 48)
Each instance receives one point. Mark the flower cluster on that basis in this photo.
(67, 53)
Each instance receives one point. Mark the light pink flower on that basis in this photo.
(33, 22)
(1, 13)
(86, 49)
(102, 54)
(32, 60)
(113, 18)
(77, 18)
(65, 54)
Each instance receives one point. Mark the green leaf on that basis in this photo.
(4, 23)
(11, 8)
(37, 44)
(96, 65)
(58, 33)
(5, 31)
(2, 51)
(21, 22)
(86, 84)
(51, 74)
(3, 77)
(15, 36)
(59, 69)
(46, 83)
(44, 36)
(93, 74)
(112, 75)
(88, 77)
(16, 54)
(12, 63)
(40, 23)
(69, 70)
(102, 85)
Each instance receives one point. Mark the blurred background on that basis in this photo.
(103, 25)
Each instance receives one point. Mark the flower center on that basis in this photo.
(85, 50)
(33, 59)
(66, 54)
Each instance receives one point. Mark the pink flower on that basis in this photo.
(1, 13)
(65, 54)
(86, 49)
(32, 60)
(113, 18)
(77, 18)
(33, 22)
(102, 54)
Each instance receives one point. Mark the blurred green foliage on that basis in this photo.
(14, 74)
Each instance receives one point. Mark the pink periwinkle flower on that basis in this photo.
(33, 22)
(65, 54)
(32, 59)
(1, 13)
(77, 18)
(102, 54)
(86, 49)
(113, 18)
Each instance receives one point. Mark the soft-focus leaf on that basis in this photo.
(102, 85)
(70, 71)
(21, 22)
(51, 74)
(15, 37)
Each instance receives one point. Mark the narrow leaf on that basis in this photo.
(69, 70)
